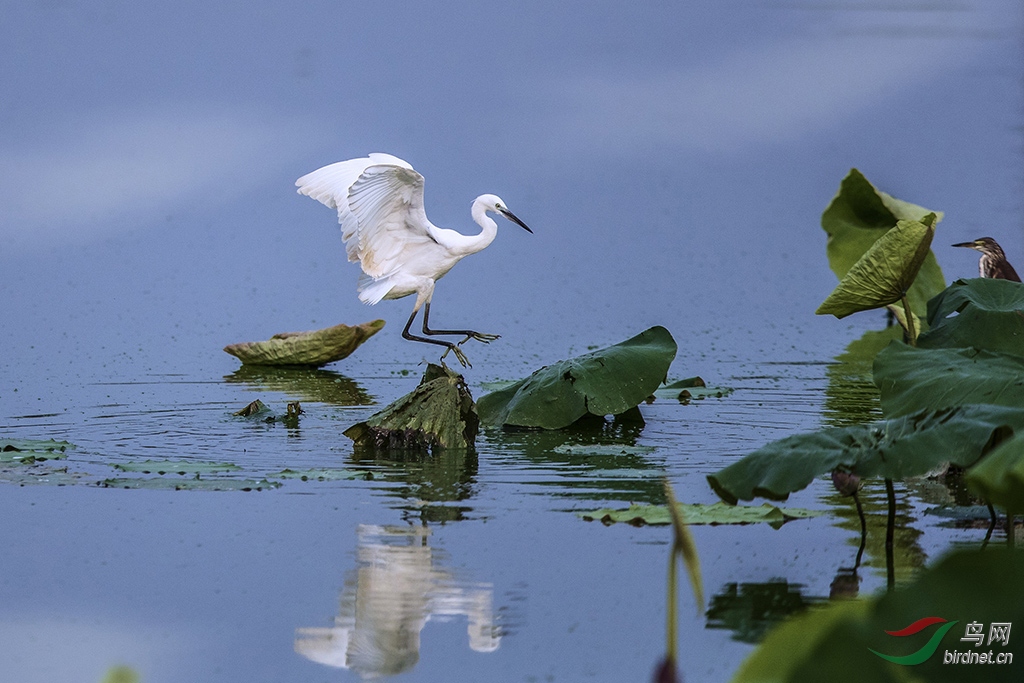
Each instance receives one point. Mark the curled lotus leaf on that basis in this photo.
(858, 215)
(313, 348)
(885, 273)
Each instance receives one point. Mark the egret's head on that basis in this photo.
(493, 203)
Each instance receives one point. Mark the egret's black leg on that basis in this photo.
(470, 334)
(448, 345)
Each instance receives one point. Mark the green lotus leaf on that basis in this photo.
(999, 476)
(983, 313)
(609, 381)
(914, 379)
(860, 214)
(176, 467)
(885, 272)
(836, 643)
(716, 513)
(898, 448)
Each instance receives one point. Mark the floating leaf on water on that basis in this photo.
(999, 476)
(914, 379)
(610, 381)
(40, 476)
(321, 474)
(176, 484)
(860, 214)
(885, 272)
(716, 513)
(313, 348)
(983, 313)
(602, 449)
(439, 413)
(28, 451)
(176, 467)
(898, 448)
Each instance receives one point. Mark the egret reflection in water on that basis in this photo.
(398, 586)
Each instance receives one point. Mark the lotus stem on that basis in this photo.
(991, 525)
(671, 608)
(890, 530)
(863, 531)
(911, 331)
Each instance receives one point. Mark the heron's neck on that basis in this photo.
(470, 244)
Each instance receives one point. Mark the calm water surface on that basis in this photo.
(673, 163)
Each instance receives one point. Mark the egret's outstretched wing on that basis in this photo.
(380, 207)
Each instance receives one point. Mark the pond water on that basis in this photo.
(673, 162)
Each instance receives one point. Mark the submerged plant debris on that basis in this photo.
(693, 388)
(312, 349)
(259, 410)
(439, 413)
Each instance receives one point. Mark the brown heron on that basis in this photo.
(993, 262)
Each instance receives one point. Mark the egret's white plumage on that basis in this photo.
(379, 200)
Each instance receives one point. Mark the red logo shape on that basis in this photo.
(917, 626)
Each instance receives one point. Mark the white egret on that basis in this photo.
(380, 207)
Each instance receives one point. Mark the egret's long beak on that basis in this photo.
(969, 245)
(512, 217)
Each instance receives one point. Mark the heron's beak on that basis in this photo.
(969, 245)
(512, 217)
